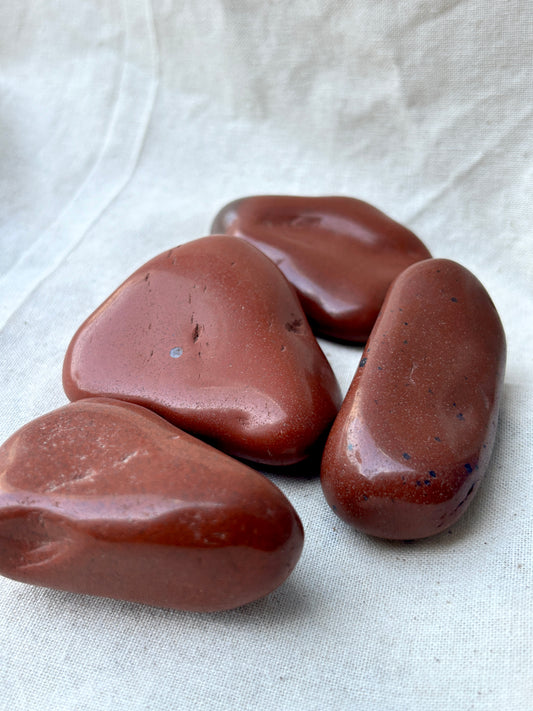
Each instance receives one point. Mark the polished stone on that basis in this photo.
(211, 336)
(107, 498)
(341, 254)
(414, 436)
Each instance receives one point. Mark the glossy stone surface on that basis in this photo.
(107, 498)
(414, 435)
(341, 254)
(211, 336)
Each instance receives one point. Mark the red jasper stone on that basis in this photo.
(340, 254)
(211, 336)
(107, 498)
(415, 433)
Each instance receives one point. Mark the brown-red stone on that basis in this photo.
(341, 254)
(107, 498)
(414, 435)
(211, 336)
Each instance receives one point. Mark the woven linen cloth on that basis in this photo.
(124, 126)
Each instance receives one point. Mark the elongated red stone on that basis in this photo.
(211, 336)
(107, 498)
(414, 436)
(341, 254)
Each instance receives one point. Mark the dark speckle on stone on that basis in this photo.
(460, 416)
(379, 367)
(432, 474)
(362, 363)
(365, 497)
(437, 439)
(468, 468)
(406, 456)
(405, 341)
(405, 323)
(427, 481)
(419, 483)
(454, 299)
(294, 326)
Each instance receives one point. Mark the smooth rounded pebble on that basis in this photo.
(414, 436)
(211, 336)
(341, 254)
(107, 498)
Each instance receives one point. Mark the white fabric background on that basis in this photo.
(124, 127)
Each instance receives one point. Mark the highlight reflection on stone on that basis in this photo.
(414, 435)
(106, 498)
(341, 254)
(211, 336)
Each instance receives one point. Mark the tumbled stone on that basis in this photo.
(211, 336)
(341, 254)
(107, 498)
(414, 435)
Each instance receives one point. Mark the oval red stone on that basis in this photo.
(341, 254)
(107, 498)
(415, 433)
(211, 336)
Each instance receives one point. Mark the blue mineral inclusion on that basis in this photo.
(176, 352)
